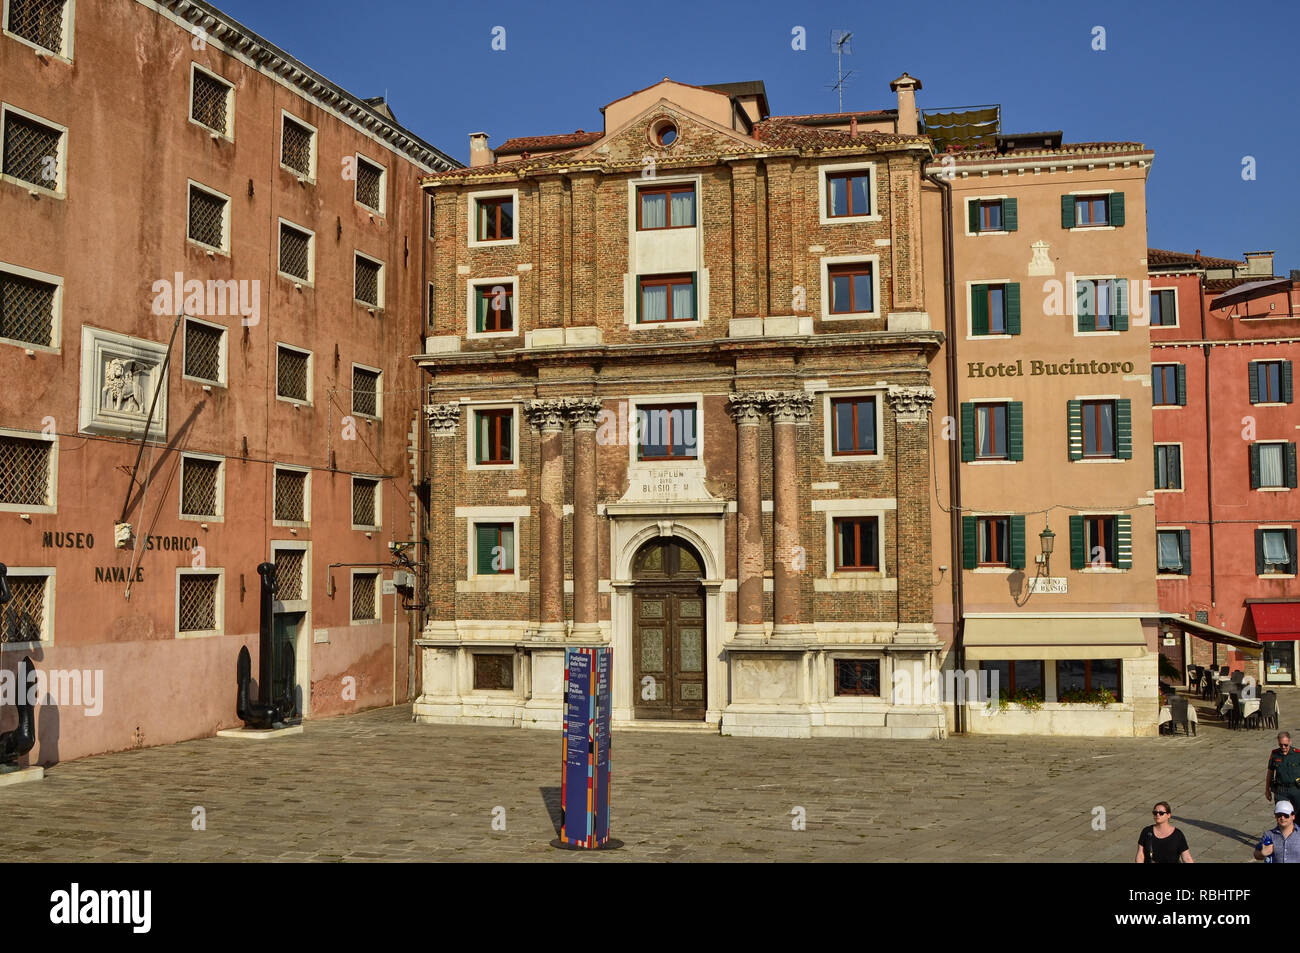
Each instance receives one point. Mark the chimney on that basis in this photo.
(906, 87)
(853, 127)
(479, 153)
(1259, 263)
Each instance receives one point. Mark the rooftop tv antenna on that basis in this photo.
(840, 47)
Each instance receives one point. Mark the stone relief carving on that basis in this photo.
(124, 385)
(910, 403)
(120, 376)
(442, 418)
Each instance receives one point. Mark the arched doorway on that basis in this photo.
(668, 625)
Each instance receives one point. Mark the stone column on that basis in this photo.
(748, 409)
(789, 410)
(548, 417)
(912, 559)
(586, 547)
(443, 420)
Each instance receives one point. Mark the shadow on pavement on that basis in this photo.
(1231, 833)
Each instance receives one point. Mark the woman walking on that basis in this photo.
(1161, 842)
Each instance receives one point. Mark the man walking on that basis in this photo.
(1282, 781)
(1280, 845)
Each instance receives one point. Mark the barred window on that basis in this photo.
(200, 487)
(207, 217)
(39, 22)
(493, 673)
(365, 392)
(196, 596)
(290, 495)
(365, 593)
(31, 150)
(295, 146)
(295, 252)
(210, 102)
(22, 619)
(364, 500)
(289, 580)
(203, 347)
(27, 309)
(367, 281)
(25, 471)
(370, 184)
(291, 373)
(429, 302)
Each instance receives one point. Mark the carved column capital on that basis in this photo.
(583, 411)
(547, 414)
(746, 408)
(442, 418)
(789, 407)
(910, 403)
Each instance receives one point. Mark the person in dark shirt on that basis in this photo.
(1161, 842)
(1282, 780)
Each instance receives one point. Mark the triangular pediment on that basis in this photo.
(696, 135)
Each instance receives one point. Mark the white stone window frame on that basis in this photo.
(1116, 398)
(1278, 527)
(306, 497)
(311, 369)
(823, 193)
(828, 425)
(360, 157)
(310, 280)
(219, 607)
(381, 281)
(634, 187)
(472, 200)
(826, 676)
(378, 482)
(1154, 365)
(379, 391)
(1177, 304)
(99, 345)
(220, 516)
(1093, 228)
(503, 582)
(1272, 489)
(310, 177)
(471, 286)
(69, 19)
(224, 248)
(632, 279)
(970, 311)
(982, 198)
(878, 579)
(635, 401)
(1074, 301)
(47, 616)
(378, 576)
(470, 456)
(297, 605)
(824, 266)
(632, 295)
(229, 133)
(1182, 471)
(53, 475)
(222, 365)
(56, 325)
(60, 191)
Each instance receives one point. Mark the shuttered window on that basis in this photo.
(995, 309)
(1169, 466)
(1101, 541)
(992, 215)
(993, 431)
(1100, 429)
(1168, 385)
(1275, 552)
(1164, 310)
(1081, 211)
(494, 549)
(1101, 304)
(993, 541)
(1272, 466)
(1270, 382)
(1174, 552)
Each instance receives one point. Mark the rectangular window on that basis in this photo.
(205, 347)
(494, 549)
(1076, 679)
(496, 218)
(369, 281)
(365, 502)
(1276, 551)
(1169, 466)
(848, 193)
(1097, 303)
(493, 673)
(667, 298)
(493, 434)
(290, 575)
(207, 218)
(494, 308)
(1164, 311)
(666, 432)
(857, 543)
(990, 216)
(27, 309)
(996, 295)
(295, 252)
(1268, 382)
(197, 595)
(296, 146)
(31, 151)
(994, 540)
(370, 184)
(1099, 536)
(292, 373)
(1021, 678)
(857, 676)
(1091, 210)
(853, 426)
(365, 391)
(290, 495)
(23, 618)
(1171, 558)
(41, 22)
(1164, 385)
(666, 206)
(365, 596)
(1271, 466)
(200, 487)
(210, 101)
(851, 291)
(990, 431)
(25, 471)
(1099, 428)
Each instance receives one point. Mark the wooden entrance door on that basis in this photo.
(668, 626)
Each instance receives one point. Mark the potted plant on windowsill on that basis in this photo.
(1100, 697)
(1027, 699)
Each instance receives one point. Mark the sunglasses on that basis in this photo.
(1159, 813)
(1283, 815)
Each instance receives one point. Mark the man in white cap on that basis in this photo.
(1280, 845)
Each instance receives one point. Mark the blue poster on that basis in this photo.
(584, 786)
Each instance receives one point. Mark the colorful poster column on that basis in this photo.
(584, 785)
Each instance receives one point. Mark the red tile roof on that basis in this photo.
(842, 117)
(797, 136)
(568, 140)
(1066, 149)
(1159, 256)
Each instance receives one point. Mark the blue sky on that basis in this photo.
(1204, 84)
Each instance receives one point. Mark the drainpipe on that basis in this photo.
(1209, 457)
(954, 463)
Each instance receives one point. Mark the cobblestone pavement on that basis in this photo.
(375, 786)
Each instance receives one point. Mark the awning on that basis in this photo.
(1251, 289)
(1276, 621)
(1051, 639)
(1211, 633)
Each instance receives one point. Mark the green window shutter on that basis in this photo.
(1011, 303)
(1078, 544)
(1155, 456)
(1185, 544)
(1115, 209)
(485, 540)
(1067, 211)
(1087, 313)
(1291, 548)
(1015, 430)
(979, 309)
(1124, 429)
(1124, 542)
(1017, 542)
(973, 216)
(1119, 289)
(1009, 215)
(1259, 552)
(1286, 382)
(1074, 424)
(967, 432)
(1253, 369)
(1181, 383)
(1290, 465)
(969, 543)
(479, 428)
(1254, 466)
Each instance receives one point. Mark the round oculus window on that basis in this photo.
(664, 133)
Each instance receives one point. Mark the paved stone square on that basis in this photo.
(375, 786)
